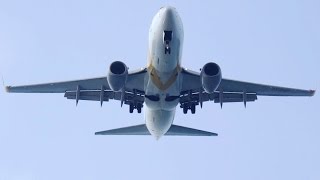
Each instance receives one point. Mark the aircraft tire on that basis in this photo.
(193, 108)
(185, 109)
(139, 106)
(131, 108)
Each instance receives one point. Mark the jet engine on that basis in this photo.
(210, 77)
(117, 75)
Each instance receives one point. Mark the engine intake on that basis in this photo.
(210, 77)
(117, 75)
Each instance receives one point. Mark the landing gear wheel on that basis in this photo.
(193, 108)
(185, 109)
(131, 108)
(139, 106)
(167, 50)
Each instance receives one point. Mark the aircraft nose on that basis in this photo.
(168, 14)
(168, 11)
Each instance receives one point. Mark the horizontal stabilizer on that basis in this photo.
(142, 130)
(131, 130)
(185, 131)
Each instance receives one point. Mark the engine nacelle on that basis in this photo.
(210, 77)
(117, 75)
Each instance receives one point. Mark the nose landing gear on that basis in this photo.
(167, 49)
(167, 37)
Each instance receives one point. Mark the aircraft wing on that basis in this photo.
(228, 85)
(95, 89)
(231, 90)
(61, 87)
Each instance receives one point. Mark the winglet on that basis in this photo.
(312, 92)
(6, 88)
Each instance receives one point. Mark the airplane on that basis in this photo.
(162, 85)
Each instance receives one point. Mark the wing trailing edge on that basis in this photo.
(142, 130)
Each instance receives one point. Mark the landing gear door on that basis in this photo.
(167, 37)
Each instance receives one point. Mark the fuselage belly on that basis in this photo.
(162, 87)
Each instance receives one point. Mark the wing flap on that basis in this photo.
(225, 98)
(234, 97)
(96, 96)
(142, 130)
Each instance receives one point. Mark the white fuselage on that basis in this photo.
(162, 87)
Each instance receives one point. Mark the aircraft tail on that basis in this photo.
(142, 130)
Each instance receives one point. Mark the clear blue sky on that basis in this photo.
(45, 136)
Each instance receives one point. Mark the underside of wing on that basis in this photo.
(61, 87)
(192, 82)
(142, 130)
(193, 93)
(134, 82)
(227, 85)
(94, 89)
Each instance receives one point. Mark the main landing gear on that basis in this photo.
(187, 106)
(137, 106)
